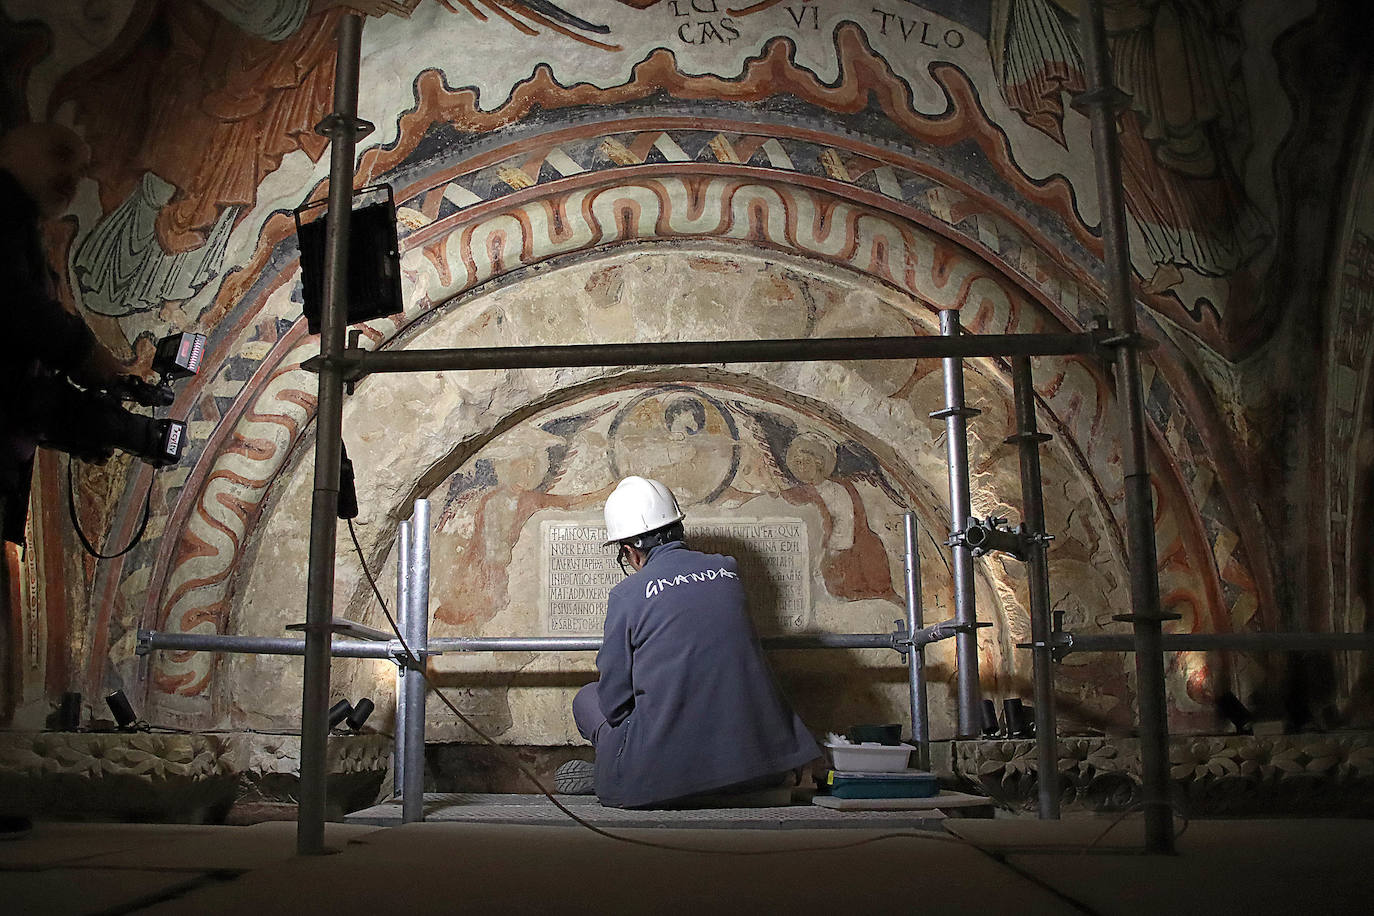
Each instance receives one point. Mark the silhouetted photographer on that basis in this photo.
(59, 386)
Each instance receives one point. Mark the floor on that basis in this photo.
(964, 865)
(537, 809)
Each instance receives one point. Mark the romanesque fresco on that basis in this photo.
(1349, 465)
(885, 160)
(1185, 140)
(761, 456)
(251, 84)
(788, 503)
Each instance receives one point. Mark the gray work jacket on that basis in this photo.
(684, 684)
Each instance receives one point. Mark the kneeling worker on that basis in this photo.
(686, 705)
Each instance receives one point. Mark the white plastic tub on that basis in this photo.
(870, 757)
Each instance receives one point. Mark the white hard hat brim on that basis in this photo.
(639, 505)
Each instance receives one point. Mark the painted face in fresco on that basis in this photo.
(810, 458)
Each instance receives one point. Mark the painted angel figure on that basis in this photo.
(1188, 121)
(194, 105)
(811, 469)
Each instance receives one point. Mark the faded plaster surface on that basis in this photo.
(845, 448)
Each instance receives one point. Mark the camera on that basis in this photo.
(91, 425)
(133, 388)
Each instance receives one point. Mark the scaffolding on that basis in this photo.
(1116, 340)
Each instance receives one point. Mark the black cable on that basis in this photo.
(71, 510)
(296, 733)
(519, 765)
(1122, 816)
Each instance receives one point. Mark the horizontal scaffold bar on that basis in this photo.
(356, 363)
(152, 640)
(1207, 642)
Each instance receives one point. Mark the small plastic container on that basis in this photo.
(890, 735)
(870, 757)
(902, 784)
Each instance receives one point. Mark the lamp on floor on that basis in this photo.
(361, 710)
(338, 712)
(123, 710)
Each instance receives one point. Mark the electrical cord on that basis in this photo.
(528, 774)
(1121, 817)
(90, 549)
(142, 728)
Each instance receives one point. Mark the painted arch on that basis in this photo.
(576, 222)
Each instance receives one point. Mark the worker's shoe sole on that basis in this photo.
(576, 777)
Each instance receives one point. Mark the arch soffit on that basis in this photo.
(1054, 270)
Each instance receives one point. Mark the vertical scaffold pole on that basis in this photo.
(1028, 439)
(417, 636)
(1102, 100)
(956, 416)
(403, 574)
(915, 658)
(319, 606)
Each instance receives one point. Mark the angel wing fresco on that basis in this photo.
(1187, 119)
(202, 101)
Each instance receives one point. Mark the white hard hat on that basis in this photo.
(637, 506)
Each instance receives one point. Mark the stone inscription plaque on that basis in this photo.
(577, 573)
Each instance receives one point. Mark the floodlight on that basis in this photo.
(361, 710)
(989, 711)
(374, 267)
(123, 710)
(338, 712)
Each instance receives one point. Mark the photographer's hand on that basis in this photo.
(133, 388)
